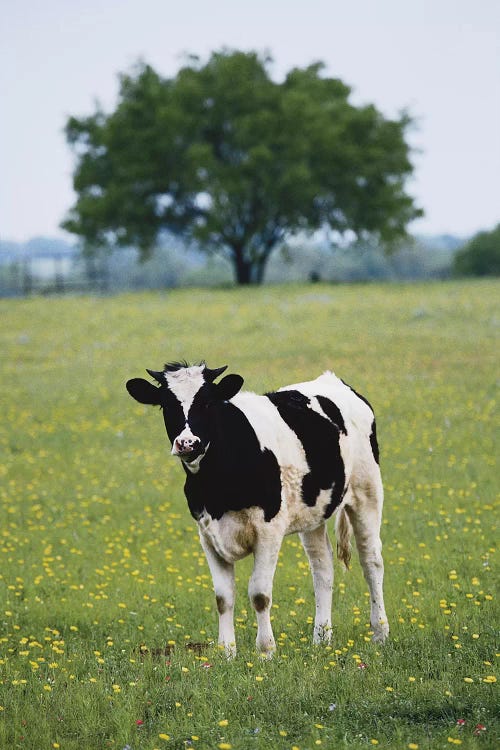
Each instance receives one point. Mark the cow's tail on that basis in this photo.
(343, 532)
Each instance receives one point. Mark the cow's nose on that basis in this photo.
(186, 445)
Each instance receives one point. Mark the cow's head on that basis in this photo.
(186, 395)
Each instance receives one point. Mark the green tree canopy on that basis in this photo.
(480, 256)
(224, 155)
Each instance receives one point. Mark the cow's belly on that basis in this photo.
(233, 536)
(297, 515)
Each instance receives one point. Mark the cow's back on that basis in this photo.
(356, 421)
(317, 430)
(344, 406)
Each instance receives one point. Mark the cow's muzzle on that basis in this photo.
(187, 448)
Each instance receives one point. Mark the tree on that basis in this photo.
(480, 256)
(223, 155)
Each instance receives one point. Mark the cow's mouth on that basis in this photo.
(191, 455)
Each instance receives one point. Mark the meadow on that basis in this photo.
(108, 626)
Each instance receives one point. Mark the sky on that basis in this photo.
(439, 59)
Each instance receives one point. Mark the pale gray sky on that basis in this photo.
(438, 58)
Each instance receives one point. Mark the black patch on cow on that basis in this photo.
(260, 602)
(319, 437)
(374, 442)
(198, 417)
(173, 413)
(235, 472)
(333, 412)
(221, 604)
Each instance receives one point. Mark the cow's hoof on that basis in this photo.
(267, 655)
(229, 649)
(380, 636)
(322, 635)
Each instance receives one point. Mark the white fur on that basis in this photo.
(185, 384)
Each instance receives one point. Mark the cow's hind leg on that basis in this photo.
(365, 514)
(223, 580)
(319, 551)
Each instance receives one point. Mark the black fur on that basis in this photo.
(320, 439)
(374, 443)
(235, 473)
(333, 413)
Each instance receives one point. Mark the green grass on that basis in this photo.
(103, 585)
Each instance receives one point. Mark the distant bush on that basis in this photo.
(480, 256)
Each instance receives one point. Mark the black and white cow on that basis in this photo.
(261, 467)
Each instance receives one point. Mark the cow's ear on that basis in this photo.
(229, 387)
(211, 375)
(144, 392)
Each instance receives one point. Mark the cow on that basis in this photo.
(260, 467)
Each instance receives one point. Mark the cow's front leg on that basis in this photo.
(223, 580)
(260, 591)
(319, 551)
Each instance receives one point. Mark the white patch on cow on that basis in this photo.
(264, 418)
(194, 466)
(224, 586)
(352, 408)
(186, 434)
(185, 384)
(319, 552)
(232, 537)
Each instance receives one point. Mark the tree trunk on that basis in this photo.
(248, 271)
(243, 271)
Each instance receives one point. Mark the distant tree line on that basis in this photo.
(480, 256)
(47, 266)
(36, 267)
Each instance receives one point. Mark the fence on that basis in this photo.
(51, 273)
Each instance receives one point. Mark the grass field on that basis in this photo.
(106, 607)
